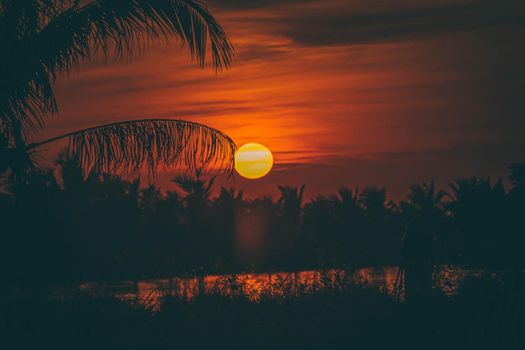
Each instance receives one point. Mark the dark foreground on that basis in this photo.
(485, 314)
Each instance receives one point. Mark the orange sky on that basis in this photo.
(343, 92)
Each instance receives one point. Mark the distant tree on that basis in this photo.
(322, 232)
(230, 210)
(348, 202)
(149, 198)
(517, 175)
(72, 175)
(229, 199)
(427, 203)
(198, 192)
(479, 211)
(348, 217)
(424, 215)
(290, 206)
(197, 216)
(374, 201)
(516, 212)
(426, 199)
(290, 202)
(380, 236)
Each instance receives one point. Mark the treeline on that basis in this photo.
(63, 225)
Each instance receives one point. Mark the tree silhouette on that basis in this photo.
(479, 212)
(349, 217)
(101, 226)
(198, 192)
(427, 203)
(425, 198)
(380, 224)
(229, 209)
(348, 201)
(44, 40)
(374, 201)
(517, 176)
(321, 232)
(516, 214)
(197, 209)
(424, 214)
(290, 202)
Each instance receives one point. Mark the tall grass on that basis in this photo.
(343, 314)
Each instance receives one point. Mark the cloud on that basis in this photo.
(247, 4)
(321, 22)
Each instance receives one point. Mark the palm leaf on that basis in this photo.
(42, 39)
(130, 146)
(122, 27)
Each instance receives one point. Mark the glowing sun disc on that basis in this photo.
(253, 161)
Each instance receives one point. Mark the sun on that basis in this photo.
(253, 160)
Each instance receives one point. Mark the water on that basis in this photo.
(447, 278)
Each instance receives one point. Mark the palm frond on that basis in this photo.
(44, 38)
(122, 27)
(130, 146)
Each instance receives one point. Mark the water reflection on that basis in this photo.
(272, 285)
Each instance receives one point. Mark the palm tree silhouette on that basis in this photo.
(291, 200)
(197, 209)
(374, 201)
(479, 211)
(347, 206)
(198, 192)
(424, 214)
(348, 214)
(426, 201)
(290, 209)
(517, 175)
(290, 203)
(44, 40)
(347, 198)
(515, 212)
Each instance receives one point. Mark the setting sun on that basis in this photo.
(253, 160)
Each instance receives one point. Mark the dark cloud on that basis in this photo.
(347, 27)
(321, 22)
(246, 4)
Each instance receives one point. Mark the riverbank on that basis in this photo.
(483, 314)
(447, 280)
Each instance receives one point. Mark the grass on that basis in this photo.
(485, 314)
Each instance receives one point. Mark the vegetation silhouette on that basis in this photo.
(106, 227)
(424, 212)
(484, 314)
(45, 40)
